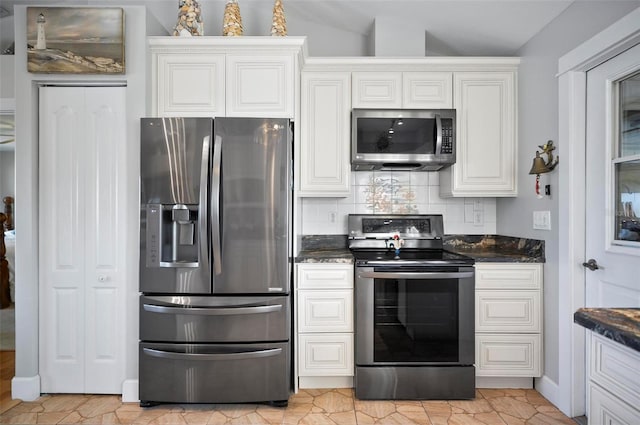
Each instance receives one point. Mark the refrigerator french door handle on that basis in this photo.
(215, 205)
(226, 356)
(202, 207)
(212, 311)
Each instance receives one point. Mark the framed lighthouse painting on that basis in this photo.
(75, 40)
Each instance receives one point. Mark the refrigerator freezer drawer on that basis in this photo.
(214, 373)
(214, 319)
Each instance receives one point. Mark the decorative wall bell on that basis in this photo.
(540, 166)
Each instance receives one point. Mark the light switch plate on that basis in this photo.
(542, 220)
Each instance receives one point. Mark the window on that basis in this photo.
(626, 163)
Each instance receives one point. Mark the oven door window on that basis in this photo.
(416, 320)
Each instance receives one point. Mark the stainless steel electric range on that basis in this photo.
(415, 326)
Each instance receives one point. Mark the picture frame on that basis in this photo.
(75, 40)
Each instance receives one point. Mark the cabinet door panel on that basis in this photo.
(486, 136)
(325, 276)
(260, 86)
(325, 311)
(325, 168)
(188, 85)
(508, 355)
(508, 276)
(508, 311)
(326, 355)
(605, 408)
(616, 368)
(427, 90)
(377, 90)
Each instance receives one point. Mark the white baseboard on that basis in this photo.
(325, 382)
(130, 391)
(506, 382)
(549, 390)
(26, 389)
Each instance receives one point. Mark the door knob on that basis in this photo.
(591, 264)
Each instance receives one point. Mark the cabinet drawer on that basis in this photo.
(508, 311)
(605, 408)
(325, 355)
(325, 311)
(325, 276)
(508, 276)
(616, 368)
(508, 355)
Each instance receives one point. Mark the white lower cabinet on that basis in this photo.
(508, 321)
(614, 382)
(325, 325)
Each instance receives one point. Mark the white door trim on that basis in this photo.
(572, 67)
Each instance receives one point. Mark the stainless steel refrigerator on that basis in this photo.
(215, 260)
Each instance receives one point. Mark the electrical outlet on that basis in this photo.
(477, 205)
(478, 218)
(542, 220)
(332, 217)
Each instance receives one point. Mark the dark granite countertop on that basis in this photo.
(324, 249)
(619, 324)
(482, 248)
(331, 255)
(496, 248)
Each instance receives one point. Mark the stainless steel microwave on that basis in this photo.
(402, 139)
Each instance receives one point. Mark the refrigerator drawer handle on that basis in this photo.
(213, 311)
(405, 275)
(179, 264)
(194, 356)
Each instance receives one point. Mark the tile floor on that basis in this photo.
(308, 407)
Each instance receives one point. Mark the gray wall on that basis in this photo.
(538, 122)
(7, 175)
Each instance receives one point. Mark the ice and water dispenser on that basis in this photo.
(172, 236)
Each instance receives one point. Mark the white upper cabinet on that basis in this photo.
(187, 85)
(219, 76)
(486, 134)
(427, 90)
(377, 90)
(325, 110)
(260, 86)
(408, 90)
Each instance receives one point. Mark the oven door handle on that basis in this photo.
(408, 275)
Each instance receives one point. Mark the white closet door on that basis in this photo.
(82, 145)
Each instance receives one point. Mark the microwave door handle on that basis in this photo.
(438, 134)
(405, 275)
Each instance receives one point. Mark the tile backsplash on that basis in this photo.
(399, 192)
